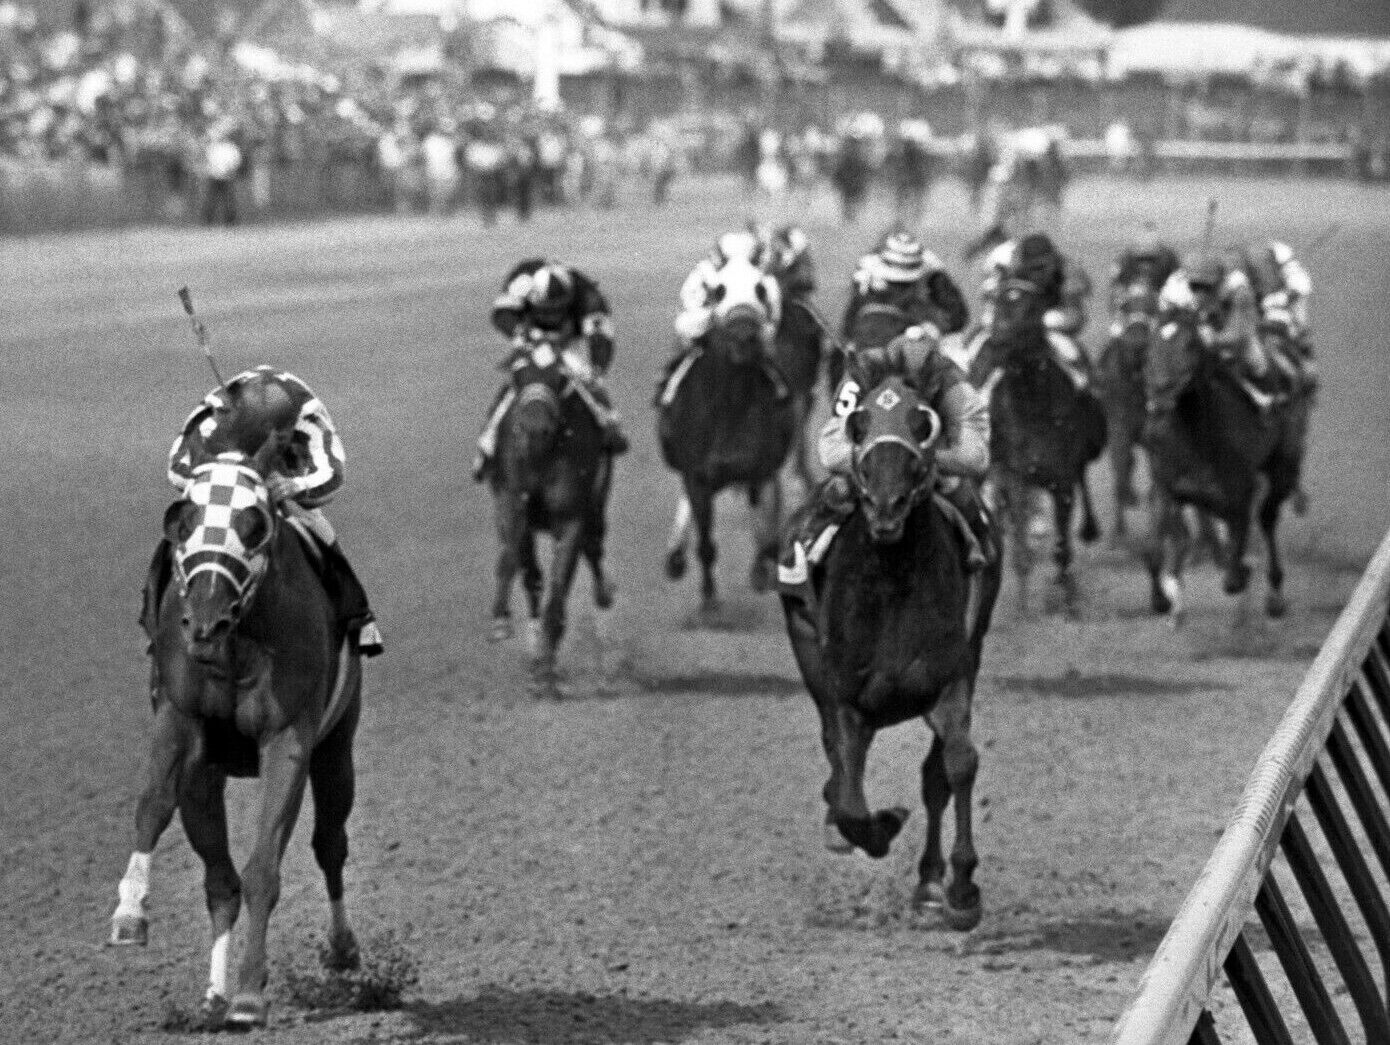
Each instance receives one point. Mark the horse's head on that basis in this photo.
(1173, 359)
(892, 433)
(1019, 305)
(538, 379)
(221, 533)
(742, 311)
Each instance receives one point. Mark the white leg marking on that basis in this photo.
(220, 965)
(680, 526)
(1172, 589)
(135, 887)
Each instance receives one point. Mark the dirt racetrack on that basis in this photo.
(641, 862)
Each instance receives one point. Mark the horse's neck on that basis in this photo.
(733, 386)
(284, 600)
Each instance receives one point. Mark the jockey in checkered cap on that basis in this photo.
(546, 300)
(902, 284)
(307, 474)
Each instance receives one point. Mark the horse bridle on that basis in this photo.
(251, 565)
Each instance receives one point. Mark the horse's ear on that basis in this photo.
(857, 425)
(173, 520)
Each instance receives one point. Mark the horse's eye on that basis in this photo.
(761, 292)
(718, 293)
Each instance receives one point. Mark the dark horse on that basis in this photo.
(896, 632)
(1044, 431)
(1210, 443)
(254, 676)
(1120, 383)
(730, 422)
(553, 476)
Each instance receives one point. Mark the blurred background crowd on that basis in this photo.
(137, 110)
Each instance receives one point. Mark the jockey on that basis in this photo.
(1065, 287)
(697, 292)
(306, 476)
(700, 293)
(903, 280)
(788, 253)
(1282, 287)
(549, 300)
(1212, 294)
(1138, 275)
(962, 457)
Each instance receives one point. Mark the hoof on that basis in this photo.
(502, 629)
(675, 564)
(212, 1012)
(1090, 531)
(1276, 605)
(1237, 579)
(343, 954)
(249, 1010)
(929, 896)
(961, 919)
(603, 594)
(836, 842)
(128, 930)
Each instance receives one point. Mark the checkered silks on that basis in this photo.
(224, 491)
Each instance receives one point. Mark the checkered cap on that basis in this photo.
(222, 489)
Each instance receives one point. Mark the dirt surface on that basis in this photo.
(641, 862)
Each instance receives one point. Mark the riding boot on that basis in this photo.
(610, 422)
(964, 497)
(806, 543)
(349, 600)
(487, 441)
(673, 371)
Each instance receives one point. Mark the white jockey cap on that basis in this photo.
(741, 244)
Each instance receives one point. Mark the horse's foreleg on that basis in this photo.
(1237, 577)
(1122, 473)
(766, 511)
(950, 720)
(562, 567)
(1063, 503)
(847, 739)
(1017, 509)
(1276, 605)
(172, 740)
(1090, 529)
(701, 501)
(332, 780)
(285, 768)
(595, 533)
(202, 808)
(1168, 548)
(678, 540)
(510, 531)
(936, 795)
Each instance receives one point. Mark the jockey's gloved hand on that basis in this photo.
(281, 487)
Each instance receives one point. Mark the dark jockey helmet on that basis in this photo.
(1206, 271)
(1037, 261)
(550, 301)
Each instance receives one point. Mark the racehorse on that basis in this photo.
(728, 418)
(553, 476)
(896, 632)
(1211, 436)
(1044, 431)
(254, 676)
(1120, 384)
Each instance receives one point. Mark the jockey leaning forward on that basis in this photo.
(1282, 287)
(546, 300)
(1137, 278)
(702, 291)
(1210, 296)
(899, 285)
(1065, 288)
(307, 474)
(962, 456)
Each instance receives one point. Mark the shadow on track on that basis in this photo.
(1076, 686)
(1106, 935)
(546, 1017)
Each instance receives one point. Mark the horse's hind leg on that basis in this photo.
(1122, 471)
(1090, 529)
(1276, 605)
(679, 538)
(562, 567)
(1062, 506)
(173, 738)
(950, 720)
(203, 810)
(285, 766)
(332, 780)
(936, 796)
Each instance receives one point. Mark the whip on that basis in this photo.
(201, 333)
